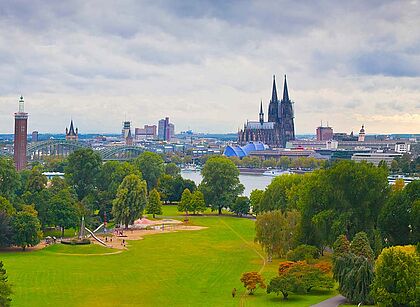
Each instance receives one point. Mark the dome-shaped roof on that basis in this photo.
(242, 151)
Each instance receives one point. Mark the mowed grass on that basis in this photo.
(185, 268)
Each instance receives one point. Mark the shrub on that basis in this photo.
(324, 266)
(397, 270)
(303, 252)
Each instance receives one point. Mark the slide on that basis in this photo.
(95, 237)
(99, 227)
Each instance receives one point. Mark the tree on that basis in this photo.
(399, 219)
(5, 229)
(360, 246)
(185, 204)
(172, 169)
(63, 210)
(277, 194)
(255, 200)
(82, 171)
(282, 284)
(9, 179)
(220, 184)
(151, 166)
(252, 280)
(276, 231)
(171, 188)
(154, 205)
(343, 199)
(241, 205)
(303, 252)
(355, 276)
(299, 277)
(130, 201)
(26, 229)
(197, 203)
(397, 271)
(37, 181)
(111, 175)
(6, 206)
(353, 268)
(5, 289)
(341, 246)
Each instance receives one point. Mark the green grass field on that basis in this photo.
(186, 268)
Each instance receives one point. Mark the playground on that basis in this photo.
(175, 267)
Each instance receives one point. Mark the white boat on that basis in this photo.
(191, 168)
(406, 179)
(276, 172)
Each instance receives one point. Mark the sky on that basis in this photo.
(208, 64)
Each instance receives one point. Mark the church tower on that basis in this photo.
(72, 135)
(261, 114)
(286, 117)
(21, 136)
(273, 107)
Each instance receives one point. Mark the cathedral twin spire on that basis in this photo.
(285, 90)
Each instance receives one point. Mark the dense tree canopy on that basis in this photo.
(220, 184)
(9, 179)
(240, 206)
(276, 231)
(130, 201)
(154, 204)
(277, 196)
(82, 171)
(26, 229)
(151, 166)
(63, 210)
(397, 275)
(345, 198)
(399, 219)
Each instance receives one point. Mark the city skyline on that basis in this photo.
(207, 65)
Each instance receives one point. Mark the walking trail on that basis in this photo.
(332, 302)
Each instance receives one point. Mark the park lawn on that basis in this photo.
(90, 249)
(185, 268)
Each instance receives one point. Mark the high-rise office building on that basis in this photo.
(20, 136)
(324, 133)
(166, 130)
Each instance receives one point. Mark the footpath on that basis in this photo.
(332, 302)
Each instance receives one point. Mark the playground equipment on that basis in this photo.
(83, 238)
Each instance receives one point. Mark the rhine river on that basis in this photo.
(250, 182)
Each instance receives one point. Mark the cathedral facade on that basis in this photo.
(279, 128)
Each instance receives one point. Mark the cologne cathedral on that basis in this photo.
(279, 128)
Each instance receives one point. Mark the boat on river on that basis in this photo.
(276, 172)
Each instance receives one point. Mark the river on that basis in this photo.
(250, 182)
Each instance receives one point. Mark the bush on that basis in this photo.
(303, 252)
(397, 270)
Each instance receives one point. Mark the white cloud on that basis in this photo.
(207, 64)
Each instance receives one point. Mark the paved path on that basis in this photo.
(332, 302)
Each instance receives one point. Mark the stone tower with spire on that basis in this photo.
(280, 127)
(71, 133)
(287, 125)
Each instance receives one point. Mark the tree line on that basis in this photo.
(348, 208)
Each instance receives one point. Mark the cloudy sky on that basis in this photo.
(207, 64)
